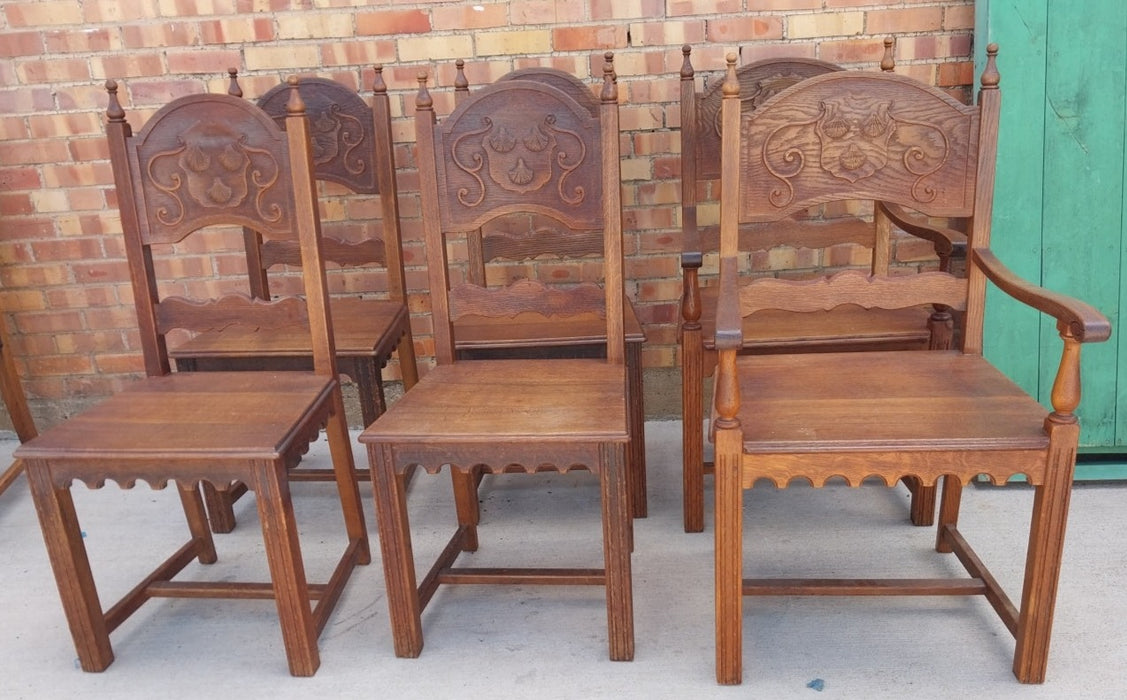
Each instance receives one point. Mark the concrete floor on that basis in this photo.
(551, 642)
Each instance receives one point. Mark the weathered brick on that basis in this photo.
(867, 52)
(476, 16)
(12, 129)
(276, 57)
(127, 65)
(43, 14)
(21, 44)
(315, 25)
(68, 124)
(825, 25)
(53, 70)
(533, 41)
(27, 152)
(167, 34)
(392, 22)
(583, 38)
(913, 19)
(667, 33)
(679, 8)
(745, 28)
(237, 30)
(117, 11)
(203, 61)
(435, 47)
(19, 178)
(546, 12)
(351, 53)
(626, 9)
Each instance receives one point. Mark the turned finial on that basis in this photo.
(686, 64)
(888, 61)
(461, 84)
(990, 75)
(610, 86)
(233, 88)
(113, 110)
(731, 85)
(423, 99)
(378, 85)
(295, 105)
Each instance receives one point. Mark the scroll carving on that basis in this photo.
(214, 169)
(855, 137)
(519, 157)
(338, 135)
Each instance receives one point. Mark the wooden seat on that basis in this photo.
(352, 147)
(16, 402)
(510, 247)
(778, 331)
(884, 414)
(201, 162)
(513, 146)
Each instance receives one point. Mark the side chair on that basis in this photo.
(514, 146)
(515, 243)
(933, 415)
(352, 147)
(200, 162)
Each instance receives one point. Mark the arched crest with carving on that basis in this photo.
(543, 158)
(213, 160)
(759, 81)
(341, 129)
(883, 138)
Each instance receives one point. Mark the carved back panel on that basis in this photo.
(525, 159)
(216, 160)
(853, 135)
(209, 160)
(520, 146)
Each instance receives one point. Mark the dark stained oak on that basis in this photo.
(523, 237)
(936, 416)
(352, 147)
(517, 147)
(203, 161)
(843, 328)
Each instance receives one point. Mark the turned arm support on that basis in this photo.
(1077, 323)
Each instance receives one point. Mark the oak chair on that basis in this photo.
(886, 414)
(513, 146)
(200, 162)
(16, 402)
(352, 147)
(523, 238)
(774, 331)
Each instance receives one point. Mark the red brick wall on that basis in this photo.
(65, 292)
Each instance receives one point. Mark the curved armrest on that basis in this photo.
(1086, 324)
(729, 323)
(946, 239)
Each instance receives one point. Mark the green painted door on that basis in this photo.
(1059, 213)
